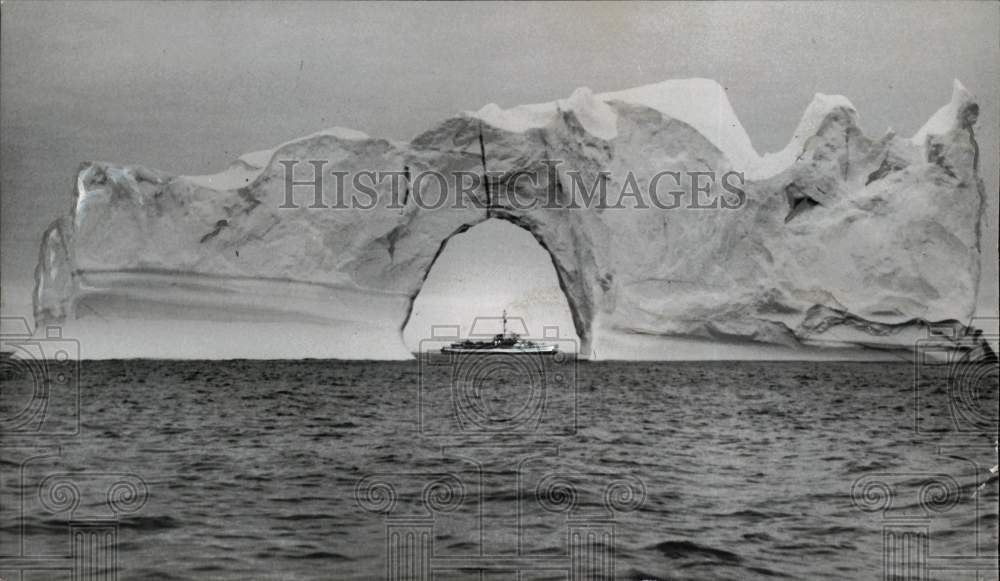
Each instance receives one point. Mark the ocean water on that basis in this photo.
(501, 470)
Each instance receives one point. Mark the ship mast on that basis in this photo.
(505, 322)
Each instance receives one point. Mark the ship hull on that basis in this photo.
(543, 349)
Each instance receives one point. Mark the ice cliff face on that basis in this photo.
(839, 239)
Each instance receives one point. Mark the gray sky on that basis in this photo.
(186, 87)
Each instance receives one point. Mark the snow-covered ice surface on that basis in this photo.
(817, 111)
(250, 165)
(701, 103)
(839, 239)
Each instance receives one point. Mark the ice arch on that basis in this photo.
(492, 266)
(886, 240)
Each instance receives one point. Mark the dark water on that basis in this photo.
(278, 470)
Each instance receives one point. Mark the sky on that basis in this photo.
(187, 87)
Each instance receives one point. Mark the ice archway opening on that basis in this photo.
(482, 270)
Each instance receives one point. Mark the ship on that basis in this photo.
(503, 342)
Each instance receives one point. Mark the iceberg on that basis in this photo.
(838, 240)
